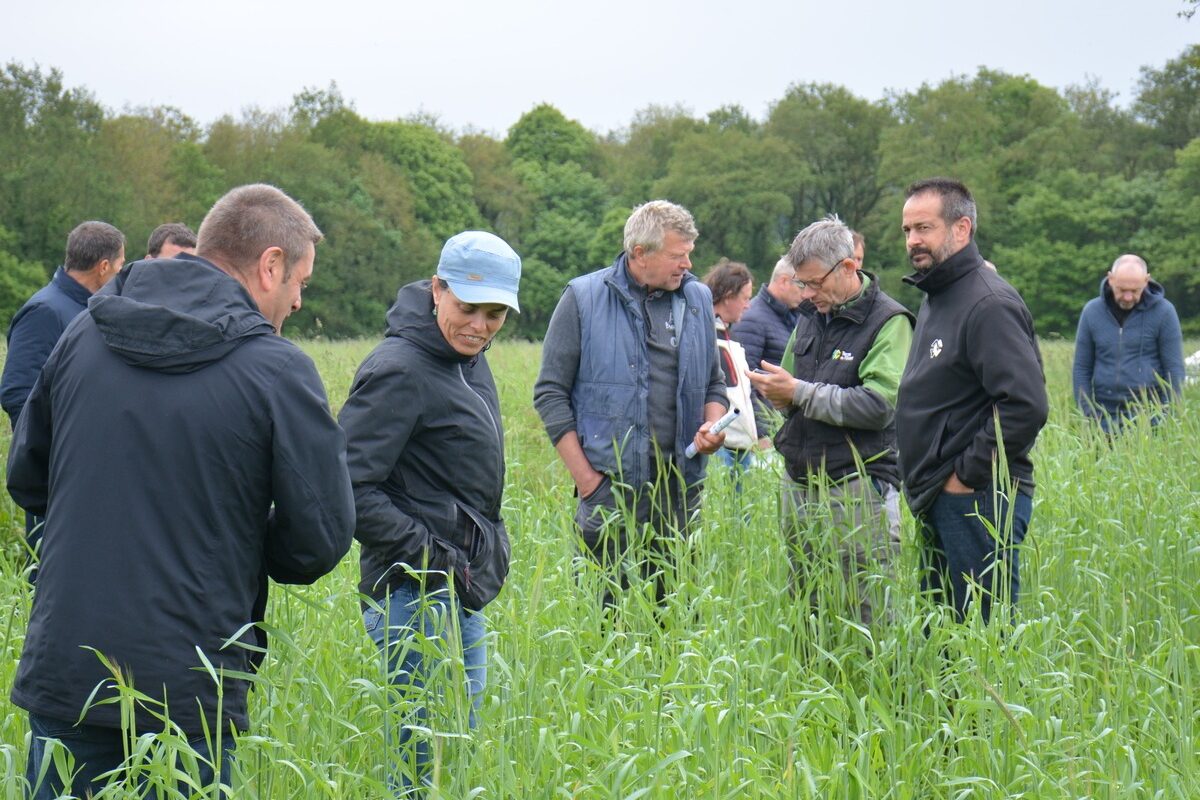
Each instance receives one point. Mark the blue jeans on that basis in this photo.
(410, 629)
(960, 550)
(737, 460)
(98, 750)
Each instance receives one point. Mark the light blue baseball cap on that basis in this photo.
(481, 268)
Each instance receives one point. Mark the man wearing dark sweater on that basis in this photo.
(1129, 346)
(973, 380)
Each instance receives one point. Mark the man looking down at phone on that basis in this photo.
(840, 502)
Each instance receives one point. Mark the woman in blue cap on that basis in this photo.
(425, 448)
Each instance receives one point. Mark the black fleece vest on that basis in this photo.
(831, 352)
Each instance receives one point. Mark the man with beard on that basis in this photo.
(973, 381)
(1129, 346)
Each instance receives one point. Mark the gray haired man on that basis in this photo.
(838, 391)
(630, 377)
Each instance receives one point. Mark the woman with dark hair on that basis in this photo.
(425, 449)
(732, 287)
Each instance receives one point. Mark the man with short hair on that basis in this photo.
(231, 470)
(1129, 346)
(95, 254)
(630, 377)
(973, 379)
(838, 440)
(764, 330)
(169, 240)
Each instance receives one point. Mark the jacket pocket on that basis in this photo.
(594, 510)
(487, 555)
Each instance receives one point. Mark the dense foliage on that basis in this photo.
(1066, 181)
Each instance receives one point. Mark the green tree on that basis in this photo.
(433, 167)
(1170, 239)
(49, 180)
(1169, 99)
(502, 199)
(833, 140)
(729, 182)
(1073, 226)
(642, 156)
(544, 136)
(19, 279)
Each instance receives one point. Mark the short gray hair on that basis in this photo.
(783, 269)
(828, 241)
(649, 223)
(250, 219)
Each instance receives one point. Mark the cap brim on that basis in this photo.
(477, 294)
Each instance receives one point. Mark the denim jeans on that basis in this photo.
(98, 750)
(960, 550)
(739, 461)
(418, 634)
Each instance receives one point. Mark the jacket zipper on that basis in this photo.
(495, 427)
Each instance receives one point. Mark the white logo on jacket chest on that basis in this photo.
(935, 349)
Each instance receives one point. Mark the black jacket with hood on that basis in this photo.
(426, 453)
(181, 452)
(974, 355)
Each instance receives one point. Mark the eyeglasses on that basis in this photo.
(818, 283)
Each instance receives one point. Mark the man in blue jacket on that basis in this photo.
(95, 254)
(182, 454)
(630, 377)
(1128, 347)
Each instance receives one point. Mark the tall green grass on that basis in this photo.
(735, 688)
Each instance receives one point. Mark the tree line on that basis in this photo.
(1065, 181)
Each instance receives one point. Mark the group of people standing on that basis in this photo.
(169, 380)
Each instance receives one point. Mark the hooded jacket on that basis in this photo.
(426, 456)
(974, 356)
(1114, 362)
(181, 452)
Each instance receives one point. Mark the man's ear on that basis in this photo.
(269, 272)
(963, 226)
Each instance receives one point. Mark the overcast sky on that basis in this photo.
(483, 64)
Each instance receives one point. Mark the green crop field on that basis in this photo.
(735, 689)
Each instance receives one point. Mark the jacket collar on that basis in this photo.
(939, 276)
(1153, 293)
(776, 305)
(71, 287)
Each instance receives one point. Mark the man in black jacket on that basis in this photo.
(973, 379)
(182, 453)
